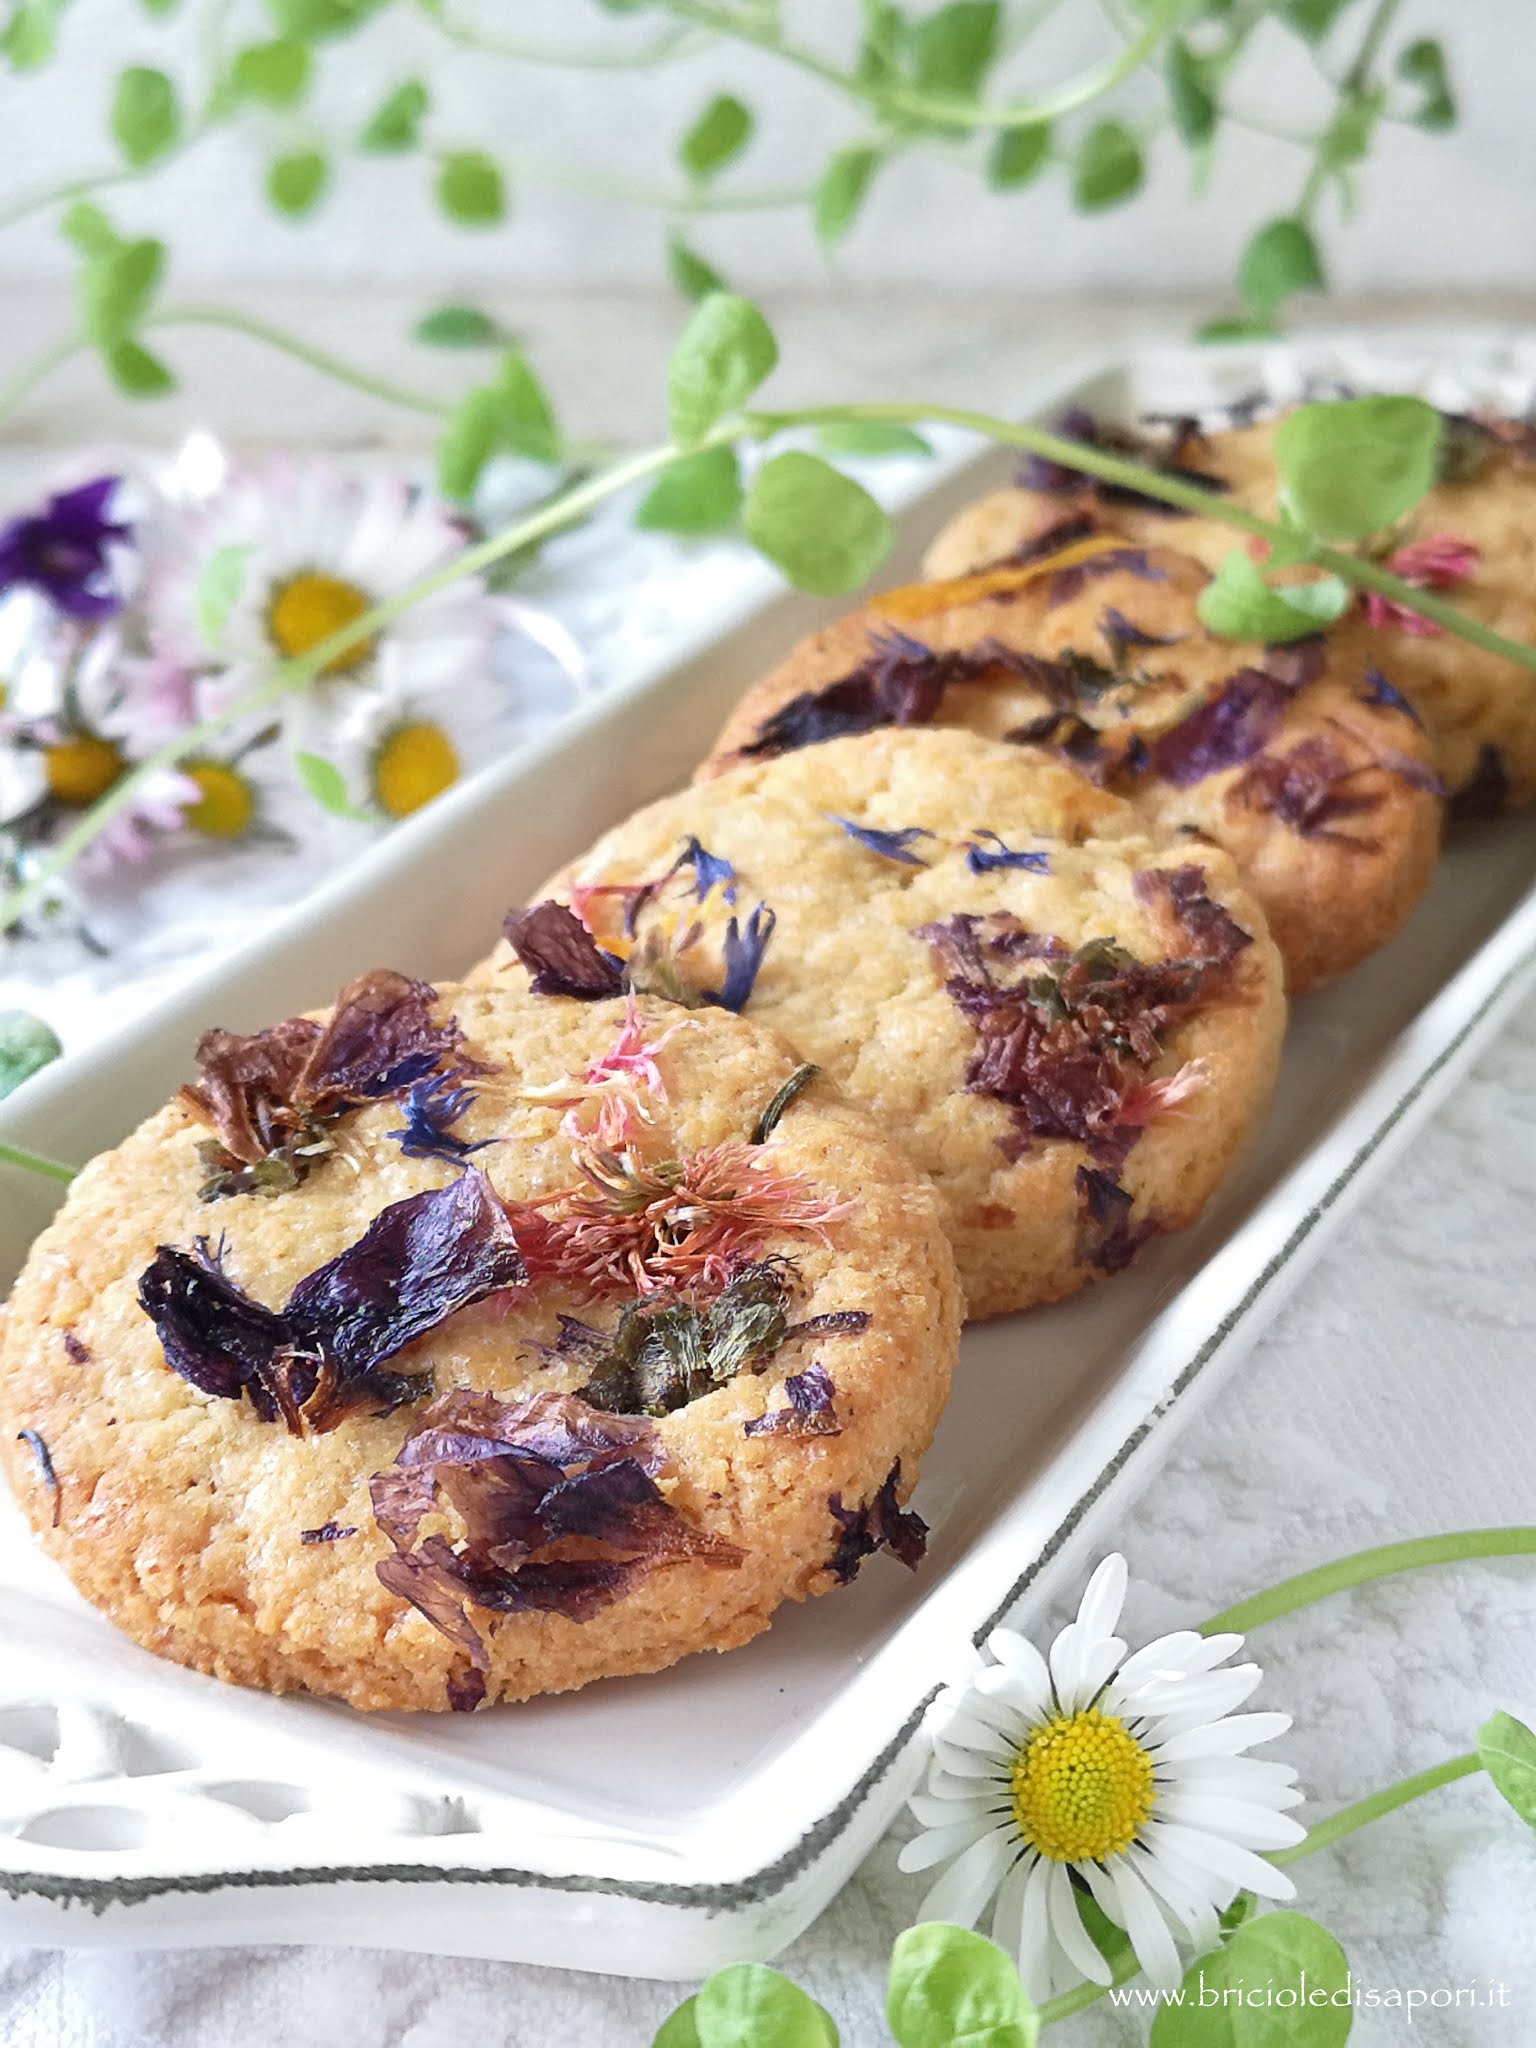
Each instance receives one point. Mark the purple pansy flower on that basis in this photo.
(62, 551)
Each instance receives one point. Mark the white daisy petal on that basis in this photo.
(1067, 1926)
(971, 1879)
(1020, 1656)
(1255, 1827)
(1035, 1934)
(1168, 1657)
(1224, 1738)
(1182, 1892)
(1105, 1897)
(971, 1729)
(1007, 1913)
(997, 1714)
(1155, 1947)
(940, 1843)
(1248, 1776)
(1028, 1700)
(1223, 1859)
(1103, 1597)
(966, 1763)
(1207, 1696)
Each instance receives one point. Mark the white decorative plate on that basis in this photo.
(662, 1826)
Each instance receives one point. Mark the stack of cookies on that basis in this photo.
(467, 1342)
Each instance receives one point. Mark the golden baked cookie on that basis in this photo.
(1071, 1025)
(538, 1356)
(1472, 539)
(1302, 762)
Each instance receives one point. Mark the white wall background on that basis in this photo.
(1454, 211)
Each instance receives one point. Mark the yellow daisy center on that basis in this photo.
(311, 607)
(1082, 1788)
(415, 763)
(81, 769)
(227, 802)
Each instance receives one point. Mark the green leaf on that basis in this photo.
(1189, 99)
(1508, 1752)
(458, 327)
(470, 188)
(884, 42)
(296, 184)
(870, 437)
(275, 73)
(824, 531)
(146, 116)
(509, 416)
(160, 7)
(217, 588)
(1238, 604)
(1017, 155)
(89, 230)
(721, 356)
(27, 1045)
(1107, 168)
(327, 785)
(26, 41)
(1312, 19)
(1354, 466)
(1279, 1955)
(312, 19)
(955, 48)
(679, 2029)
(717, 138)
(697, 494)
(1281, 259)
(949, 1987)
(1234, 328)
(694, 278)
(137, 373)
(1423, 64)
(117, 288)
(750, 2006)
(840, 192)
(395, 124)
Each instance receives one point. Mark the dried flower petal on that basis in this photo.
(880, 1524)
(526, 1479)
(1240, 720)
(893, 845)
(1106, 1236)
(1486, 793)
(1309, 789)
(50, 1478)
(320, 1358)
(1378, 690)
(744, 950)
(561, 954)
(808, 1412)
(981, 858)
(328, 1532)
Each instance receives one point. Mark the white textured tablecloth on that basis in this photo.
(1396, 1395)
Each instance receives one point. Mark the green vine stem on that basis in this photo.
(63, 348)
(1349, 1819)
(573, 504)
(1346, 1821)
(666, 48)
(906, 103)
(289, 677)
(36, 1162)
(1384, 1562)
(1352, 569)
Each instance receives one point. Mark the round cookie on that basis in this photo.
(1472, 538)
(1071, 1025)
(550, 1368)
(1301, 762)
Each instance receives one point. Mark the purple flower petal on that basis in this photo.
(561, 954)
(744, 950)
(896, 845)
(880, 1524)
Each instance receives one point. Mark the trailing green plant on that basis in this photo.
(1275, 1979)
(957, 82)
(825, 532)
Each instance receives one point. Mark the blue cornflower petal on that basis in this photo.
(895, 845)
(744, 950)
(431, 1106)
(982, 859)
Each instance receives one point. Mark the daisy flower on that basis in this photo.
(397, 748)
(318, 549)
(1093, 1774)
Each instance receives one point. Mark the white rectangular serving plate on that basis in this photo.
(663, 1826)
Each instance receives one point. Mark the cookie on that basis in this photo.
(1473, 539)
(478, 1346)
(1301, 762)
(1071, 1025)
